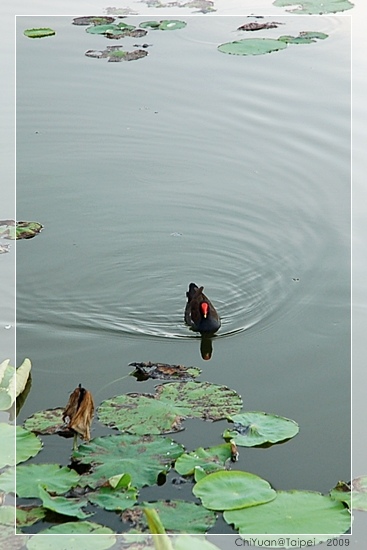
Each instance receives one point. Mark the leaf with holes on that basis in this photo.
(164, 412)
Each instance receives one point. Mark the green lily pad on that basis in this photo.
(114, 499)
(342, 492)
(165, 25)
(164, 412)
(359, 493)
(39, 33)
(27, 444)
(29, 515)
(317, 7)
(7, 515)
(177, 516)
(7, 438)
(314, 34)
(7, 480)
(84, 541)
(162, 371)
(257, 428)
(54, 478)
(209, 460)
(62, 505)
(12, 382)
(143, 458)
(252, 46)
(45, 422)
(28, 230)
(112, 28)
(229, 490)
(296, 39)
(93, 20)
(292, 512)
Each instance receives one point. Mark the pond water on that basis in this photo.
(191, 165)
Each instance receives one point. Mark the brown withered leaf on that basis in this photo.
(163, 371)
(79, 411)
(258, 26)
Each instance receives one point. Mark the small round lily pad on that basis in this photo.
(165, 25)
(252, 46)
(93, 20)
(257, 428)
(39, 33)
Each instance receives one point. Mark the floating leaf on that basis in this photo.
(7, 515)
(359, 493)
(7, 438)
(114, 499)
(209, 460)
(29, 515)
(54, 478)
(164, 412)
(162, 371)
(287, 39)
(143, 458)
(62, 505)
(342, 492)
(312, 34)
(257, 428)
(39, 33)
(165, 25)
(177, 516)
(252, 46)
(27, 444)
(7, 229)
(229, 490)
(292, 512)
(317, 7)
(45, 422)
(255, 26)
(93, 20)
(115, 53)
(84, 541)
(28, 230)
(120, 29)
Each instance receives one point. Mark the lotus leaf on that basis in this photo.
(317, 7)
(177, 516)
(165, 25)
(114, 499)
(28, 230)
(287, 39)
(229, 490)
(257, 428)
(45, 422)
(12, 382)
(112, 28)
(29, 515)
(115, 53)
(7, 515)
(84, 541)
(359, 493)
(7, 438)
(143, 458)
(164, 412)
(7, 480)
(27, 444)
(162, 371)
(209, 460)
(292, 512)
(252, 46)
(54, 478)
(39, 33)
(93, 20)
(62, 505)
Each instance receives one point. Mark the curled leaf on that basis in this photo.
(79, 411)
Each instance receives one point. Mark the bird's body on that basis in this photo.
(200, 314)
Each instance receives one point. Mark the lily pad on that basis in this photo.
(164, 412)
(162, 371)
(54, 478)
(9, 229)
(114, 499)
(7, 438)
(287, 39)
(256, 428)
(62, 505)
(292, 512)
(39, 33)
(115, 53)
(84, 541)
(209, 460)
(7, 515)
(7, 480)
(165, 25)
(177, 516)
(45, 422)
(229, 490)
(29, 515)
(252, 46)
(143, 458)
(27, 444)
(122, 29)
(317, 7)
(93, 20)
(255, 26)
